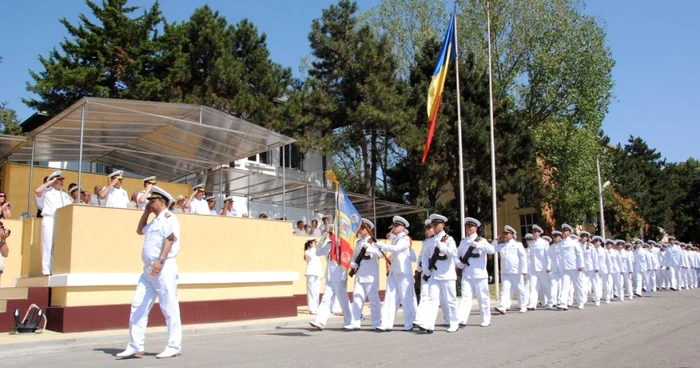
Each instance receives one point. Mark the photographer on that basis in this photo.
(4, 250)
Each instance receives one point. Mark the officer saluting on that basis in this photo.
(196, 203)
(160, 247)
(142, 196)
(114, 195)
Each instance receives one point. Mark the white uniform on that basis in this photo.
(641, 271)
(117, 198)
(163, 285)
(590, 274)
(336, 286)
(570, 261)
(673, 263)
(604, 278)
(663, 280)
(141, 206)
(313, 273)
(423, 284)
(366, 282)
(539, 278)
(475, 278)
(616, 267)
(52, 199)
(554, 274)
(627, 271)
(199, 207)
(233, 213)
(514, 262)
(399, 283)
(653, 274)
(441, 281)
(685, 270)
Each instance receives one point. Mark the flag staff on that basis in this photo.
(459, 134)
(494, 201)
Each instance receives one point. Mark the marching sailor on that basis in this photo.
(615, 268)
(114, 194)
(554, 270)
(418, 278)
(514, 269)
(539, 278)
(570, 265)
(336, 286)
(590, 267)
(365, 268)
(439, 269)
(161, 245)
(52, 197)
(602, 277)
(399, 283)
(472, 255)
(641, 269)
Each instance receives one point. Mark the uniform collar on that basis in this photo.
(473, 236)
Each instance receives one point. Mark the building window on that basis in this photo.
(262, 158)
(526, 222)
(292, 158)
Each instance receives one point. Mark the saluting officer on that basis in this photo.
(211, 204)
(229, 211)
(514, 269)
(399, 283)
(161, 245)
(441, 275)
(53, 197)
(114, 195)
(366, 271)
(472, 255)
(196, 203)
(142, 196)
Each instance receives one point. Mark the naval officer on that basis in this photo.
(161, 245)
(399, 283)
(114, 195)
(514, 269)
(472, 255)
(196, 203)
(52, 197)
(539, 278)
(366, 272)
(142, 196)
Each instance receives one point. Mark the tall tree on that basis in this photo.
(683, 186)
(353, 93)
(8, 120)
(112, 57)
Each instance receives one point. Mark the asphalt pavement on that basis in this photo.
(660, 331)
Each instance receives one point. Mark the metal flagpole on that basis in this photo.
(31, 181)
(220, 200)
(600, 197)
(80, 154)
(459, 136)
(493, 157)
(284, 184)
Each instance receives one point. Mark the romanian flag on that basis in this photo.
(348, 222)
(437, 83)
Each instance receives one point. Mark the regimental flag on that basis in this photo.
(349, 221)
(447, 53)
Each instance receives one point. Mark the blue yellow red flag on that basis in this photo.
(349, 220)
(447, 53)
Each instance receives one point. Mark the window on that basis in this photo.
(292, 158)
(526, 222)
(263, 158)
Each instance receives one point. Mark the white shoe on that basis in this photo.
(168, 353)
(317, 325)
(580, 306)
(597, 304)
(523, 310)
(501, 310)
(129, 353)
(453, 328)
(485, 324)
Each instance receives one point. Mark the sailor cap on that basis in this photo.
(619, 241)
(198, 187)
(556, 232)
(210, 198)
(400, 220)
(368, 223)
(437, 218)
(230, 198)
(509, 229)
(584, 233)
(547, 238)
(150, 179)
(671, 237)
(56, 174)
(428, 222)
(609, 241)
(528, 236)
(537, 228)
(473, 221)
(118, 173)
(71, 190)
(157, 192)
(637, 240)
(596, 238)
(310, 239)
(567, 227)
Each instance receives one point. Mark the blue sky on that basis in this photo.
(653, 42)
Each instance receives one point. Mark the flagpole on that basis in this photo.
(493, 157)
(459, 135)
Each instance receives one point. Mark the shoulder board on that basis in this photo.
(371, 241)
(478, 239)
(445, 238)
(168, 214)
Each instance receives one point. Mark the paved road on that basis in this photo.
(661, 331)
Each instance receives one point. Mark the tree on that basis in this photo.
(113, 57)
(353, 95)
(8, 120)
(683, 203)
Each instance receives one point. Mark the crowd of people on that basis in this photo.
(552, 272)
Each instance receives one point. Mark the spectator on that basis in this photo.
(4, 206)
(4, 250)
(300, 228)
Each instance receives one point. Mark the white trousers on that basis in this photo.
(674, 275)
(697, 277)
(594, 281)
(399, 290)
(685, 273)
(585, 283)
(554, 288)
(652, 279)
(480, 289)
(163, 286)
(606, 286)
(511, 283)
(362, 291)
(617, 289)
(47, 227)
(663, 281)
(313, 287)
(570, 279)
(436, 289)
(335, 304)
(334, 289)
(539, 284)
(642, 281)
